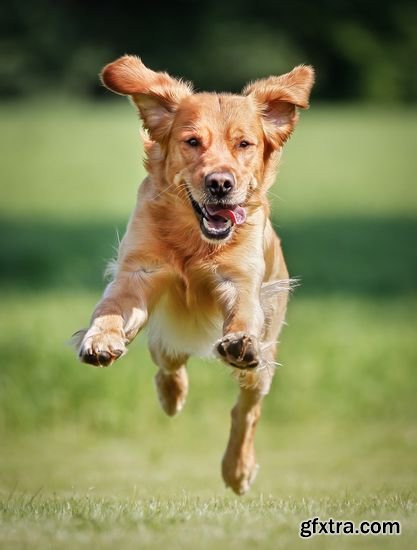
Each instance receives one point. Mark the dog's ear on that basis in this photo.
(278, 98)
(156, 95)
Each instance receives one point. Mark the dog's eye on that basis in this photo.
(243, 144)
(193, 142)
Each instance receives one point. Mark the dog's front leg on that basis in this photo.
(118, 317)
(240, 347)
(243, 322)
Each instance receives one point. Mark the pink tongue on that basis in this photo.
(237, 215)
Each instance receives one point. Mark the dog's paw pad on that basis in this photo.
(101, 348)
(240, 350)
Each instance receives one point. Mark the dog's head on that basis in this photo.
(217, 148)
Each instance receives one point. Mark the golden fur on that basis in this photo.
(203, 282)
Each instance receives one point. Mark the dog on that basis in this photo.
(200, 263)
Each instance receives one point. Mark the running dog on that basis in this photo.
(200, 263)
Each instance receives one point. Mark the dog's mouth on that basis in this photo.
(217, 220)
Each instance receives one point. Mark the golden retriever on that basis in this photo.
(200, 263)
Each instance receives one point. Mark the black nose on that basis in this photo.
(219, 184)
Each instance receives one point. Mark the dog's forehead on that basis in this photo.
(217, 110)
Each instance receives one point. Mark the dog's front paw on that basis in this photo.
(100, 348)
(240, 350)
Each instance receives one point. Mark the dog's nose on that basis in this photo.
(219, 184)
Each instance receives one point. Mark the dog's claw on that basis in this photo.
(101, 359)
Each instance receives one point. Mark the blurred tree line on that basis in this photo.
(362, 49)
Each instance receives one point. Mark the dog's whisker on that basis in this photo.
(164, 191)
(275, 195)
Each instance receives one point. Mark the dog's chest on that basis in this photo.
(187, 318)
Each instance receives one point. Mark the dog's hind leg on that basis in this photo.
(171, 380)
(239, 467)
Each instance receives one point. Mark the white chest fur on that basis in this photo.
(179, 329)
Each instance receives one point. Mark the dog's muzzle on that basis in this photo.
(217, 219)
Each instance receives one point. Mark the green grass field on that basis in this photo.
(87, 458)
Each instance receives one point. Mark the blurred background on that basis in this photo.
(342, 413)
(364, 51)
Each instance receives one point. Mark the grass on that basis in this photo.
(183, 521)
(88, 458)
(131, 491)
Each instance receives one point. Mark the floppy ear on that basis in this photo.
(278, 98)
(156, 95)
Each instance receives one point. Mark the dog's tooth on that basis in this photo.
(216, 230)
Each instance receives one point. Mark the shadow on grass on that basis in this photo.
(359, 256)
(39, 255)
(363, 256)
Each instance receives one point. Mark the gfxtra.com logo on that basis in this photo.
(315, 526)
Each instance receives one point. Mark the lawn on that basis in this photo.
(88, 459)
